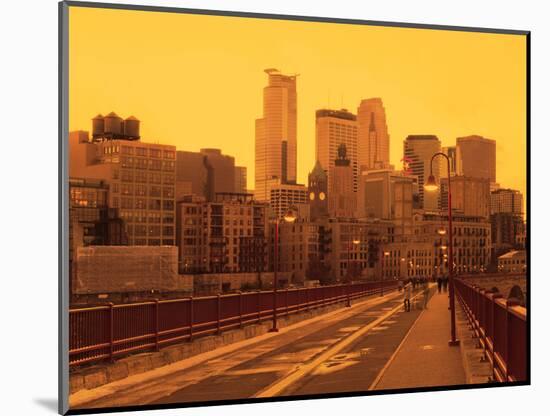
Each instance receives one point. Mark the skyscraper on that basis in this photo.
(418, 151)
(476, 157)
(373, 140)
(332, 128)
(342, 201)
(275, 146)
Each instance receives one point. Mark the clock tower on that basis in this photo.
(317, 189)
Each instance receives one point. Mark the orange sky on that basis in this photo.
(196, 81)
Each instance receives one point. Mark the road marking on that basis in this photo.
(301, 371)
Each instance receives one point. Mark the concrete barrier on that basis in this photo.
(477, 369)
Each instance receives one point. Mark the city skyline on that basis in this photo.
(447, 109)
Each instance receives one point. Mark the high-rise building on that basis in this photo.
(385, 194)
(275, 144)
(333, 128)
(507, 201)
(342, 202)
(283, 196)
(193, 175)
(141, 179)
(318, 188)
(223, 170)
(205, 173)
(373, 140)
(240, 179)
(471, 196)
(476, 157)
(418, 152)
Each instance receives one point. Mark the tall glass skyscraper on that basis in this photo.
(275, 152)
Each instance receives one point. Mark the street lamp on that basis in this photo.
(290, 216)
(431, 186)
(386, 254)
(355, 242)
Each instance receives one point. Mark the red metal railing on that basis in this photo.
(501, 326)
(113, 331)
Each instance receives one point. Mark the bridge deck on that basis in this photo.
(343, 351)
(425, 359)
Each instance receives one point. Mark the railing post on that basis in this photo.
(219, 311)
(111, 331)
(507, 337)
(191, 318)
(240, 309)
(258, 304)
(307, 298)
(286, 301)
(156, 324)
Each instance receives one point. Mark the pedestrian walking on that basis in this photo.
(445, 283)
(407, 292)
(400, 285)
(439, 284)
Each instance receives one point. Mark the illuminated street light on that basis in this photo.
(355, 242)
(432, 186)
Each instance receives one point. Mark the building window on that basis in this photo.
(154, 204)
(154, 191)
(168, 192)
(155, 164)
(154, 177)
(154, 231)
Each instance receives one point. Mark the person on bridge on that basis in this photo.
(439, 284)
(445, 283)
(407, 292)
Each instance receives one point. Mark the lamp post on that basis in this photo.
(386, 254)
(289, 217)
(431, 186)
(355, 242)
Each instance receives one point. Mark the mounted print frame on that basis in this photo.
(260, 207)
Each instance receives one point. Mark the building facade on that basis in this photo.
(333, 128)
(506, 201)
(141, 179)
(418, 151)
(240, 180)
(385, 194)
(373, 139)
(470, 196)
(318, 193)
(227, 235)
(476, 157)
(276, 131)
(282, 197)
(512, 262)
(342, 200)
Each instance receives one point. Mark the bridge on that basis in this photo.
(327, 348)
